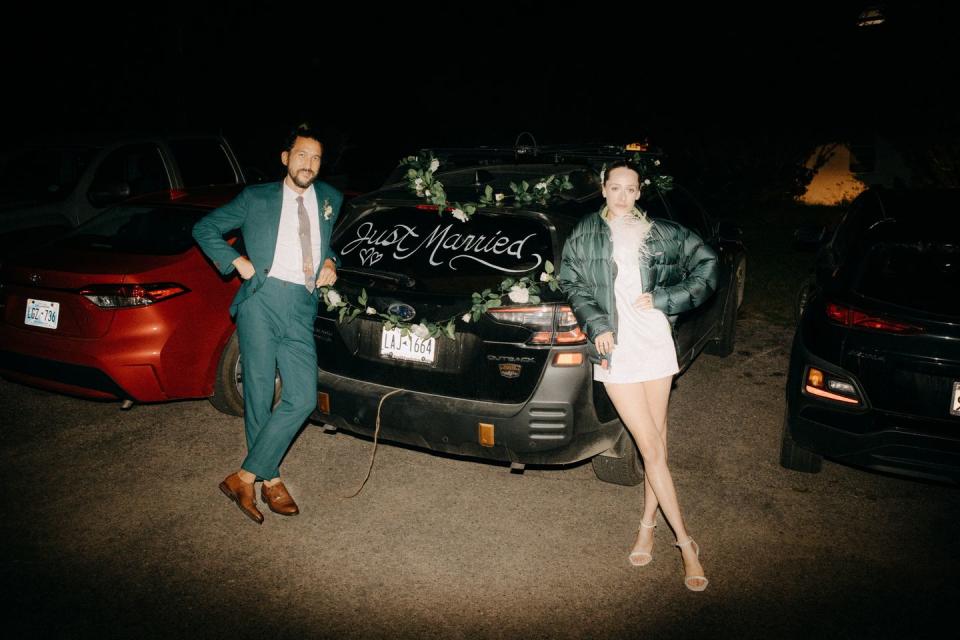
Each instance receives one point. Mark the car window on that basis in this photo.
(140, 167)
(920, 275)
(441, 254)
(202, 162)
(687, 211)
(145, 230)
(43, 173)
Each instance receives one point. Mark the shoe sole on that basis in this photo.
(236, 500)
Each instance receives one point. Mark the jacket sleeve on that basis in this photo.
(699, 263)
(336, 201)
(590, 314)
(209, 232)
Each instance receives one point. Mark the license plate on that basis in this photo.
(955, 399)
(409, 347)
(41, 313)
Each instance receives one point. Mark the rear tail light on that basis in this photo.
(850, 317)
(116, 296)
(830, 386)
(551, 324)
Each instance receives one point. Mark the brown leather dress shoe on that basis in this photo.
(243, 494)
(279, 499)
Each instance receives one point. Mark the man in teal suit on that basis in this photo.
(286, 228)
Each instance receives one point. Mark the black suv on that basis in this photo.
(514, 384)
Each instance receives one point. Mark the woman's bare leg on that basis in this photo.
(658, 396)
(634, 406)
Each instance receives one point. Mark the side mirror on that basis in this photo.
(809, 237)
(103, 194)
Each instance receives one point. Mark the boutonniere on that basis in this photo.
(327, 209)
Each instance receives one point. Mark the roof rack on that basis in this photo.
(593, 155)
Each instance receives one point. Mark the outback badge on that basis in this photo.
(510, 370)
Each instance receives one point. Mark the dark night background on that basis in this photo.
(734, 95)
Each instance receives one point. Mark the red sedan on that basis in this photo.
(125, 307)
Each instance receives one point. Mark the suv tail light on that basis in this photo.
(116, 296)
(850, 317)
(551, 323)
(830, 386)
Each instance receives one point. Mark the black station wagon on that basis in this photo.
(515, 383)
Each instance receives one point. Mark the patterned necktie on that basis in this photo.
(306, 246)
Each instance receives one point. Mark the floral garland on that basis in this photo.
(421, 181)
(518, 291)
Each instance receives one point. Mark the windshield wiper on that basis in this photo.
(389, 276)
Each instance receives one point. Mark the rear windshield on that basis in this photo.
(922, 275)
(148, 230)
(444, 255)
(585, 181)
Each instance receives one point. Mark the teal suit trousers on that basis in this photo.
(275, 329)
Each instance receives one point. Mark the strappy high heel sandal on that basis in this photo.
(688, 580)
(641, 558)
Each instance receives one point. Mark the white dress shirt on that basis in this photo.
(287, 257)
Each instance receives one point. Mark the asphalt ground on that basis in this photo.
(115, 527)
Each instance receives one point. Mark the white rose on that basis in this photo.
(519, 294)
(418, 181)
(420, 330)
(656, 163)
(327, 212)
(541, 185)
(459, 214)
(434, 165)
(371, 311)
(545, 277)
(426, 192)
(466, 317)
(498, 197)
(646, 181)
(333, 297)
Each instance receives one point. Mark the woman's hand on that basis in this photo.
(604, 343)
(644, 301)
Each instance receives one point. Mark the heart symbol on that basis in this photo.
(369, 256)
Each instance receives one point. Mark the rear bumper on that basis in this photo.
(138, 382)
(558, 425)
(889, 443)
(864, 436)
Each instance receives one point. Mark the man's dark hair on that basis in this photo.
(301, 131)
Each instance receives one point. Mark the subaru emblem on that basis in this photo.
(402, 310)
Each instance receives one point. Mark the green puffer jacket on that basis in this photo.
(681, 272)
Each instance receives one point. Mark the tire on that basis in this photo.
(621, 464)
(228, 389)
(793, 456)
(725, 341)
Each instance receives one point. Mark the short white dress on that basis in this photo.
(644, 349)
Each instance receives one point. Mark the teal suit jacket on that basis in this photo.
(256, 212)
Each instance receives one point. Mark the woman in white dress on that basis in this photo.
(605, 260)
